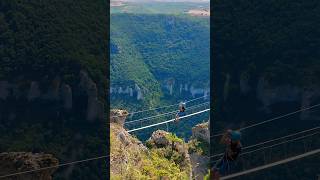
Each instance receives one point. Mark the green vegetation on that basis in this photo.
(149, 49)
(161, 166)
(200, 147)
(207, 176)
(41, 40)
(152, 163)
(173, 138)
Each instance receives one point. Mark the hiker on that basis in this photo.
(182, 108)
(233, 148)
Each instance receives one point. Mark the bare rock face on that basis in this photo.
(200, 162)
(159, 138)
(139, 92)
(125, 149)
(13, 162)
(162, 138)
(201, 131)
(95, 107)
(118, 116)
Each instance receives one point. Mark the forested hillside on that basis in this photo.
(158, 52)
(53, 85)
(267, 64)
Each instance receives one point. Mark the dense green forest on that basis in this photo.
(266, 64)
(49, 43)
(148, 49)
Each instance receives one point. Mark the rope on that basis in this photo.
(172, 112)
(273, 119)
(271, 164)
(199, 112)
(302, 137)
(52, 167)
(135, 112)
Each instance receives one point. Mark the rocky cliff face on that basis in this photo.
(13, 162)
(118, 116)
(168, 86)
(134, 91)
(129, 155)
(59, 96)
(198, 149)
(201, 132)
(125, 150)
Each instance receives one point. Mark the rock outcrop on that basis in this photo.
(118, 116)
(13, 162)
(201, 132)
(163, 139)
(159, 139)
(199, 150)
(126, 151)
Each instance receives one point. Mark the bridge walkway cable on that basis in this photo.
(270, 146)
(171, 120)
(272, 140)
(53, 167)
(164, 114)
(272, 119)
(310, 153)
(161, 107)
(105, 156)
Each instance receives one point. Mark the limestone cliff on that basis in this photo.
(56, 97)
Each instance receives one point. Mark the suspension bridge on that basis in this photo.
(158, 119)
